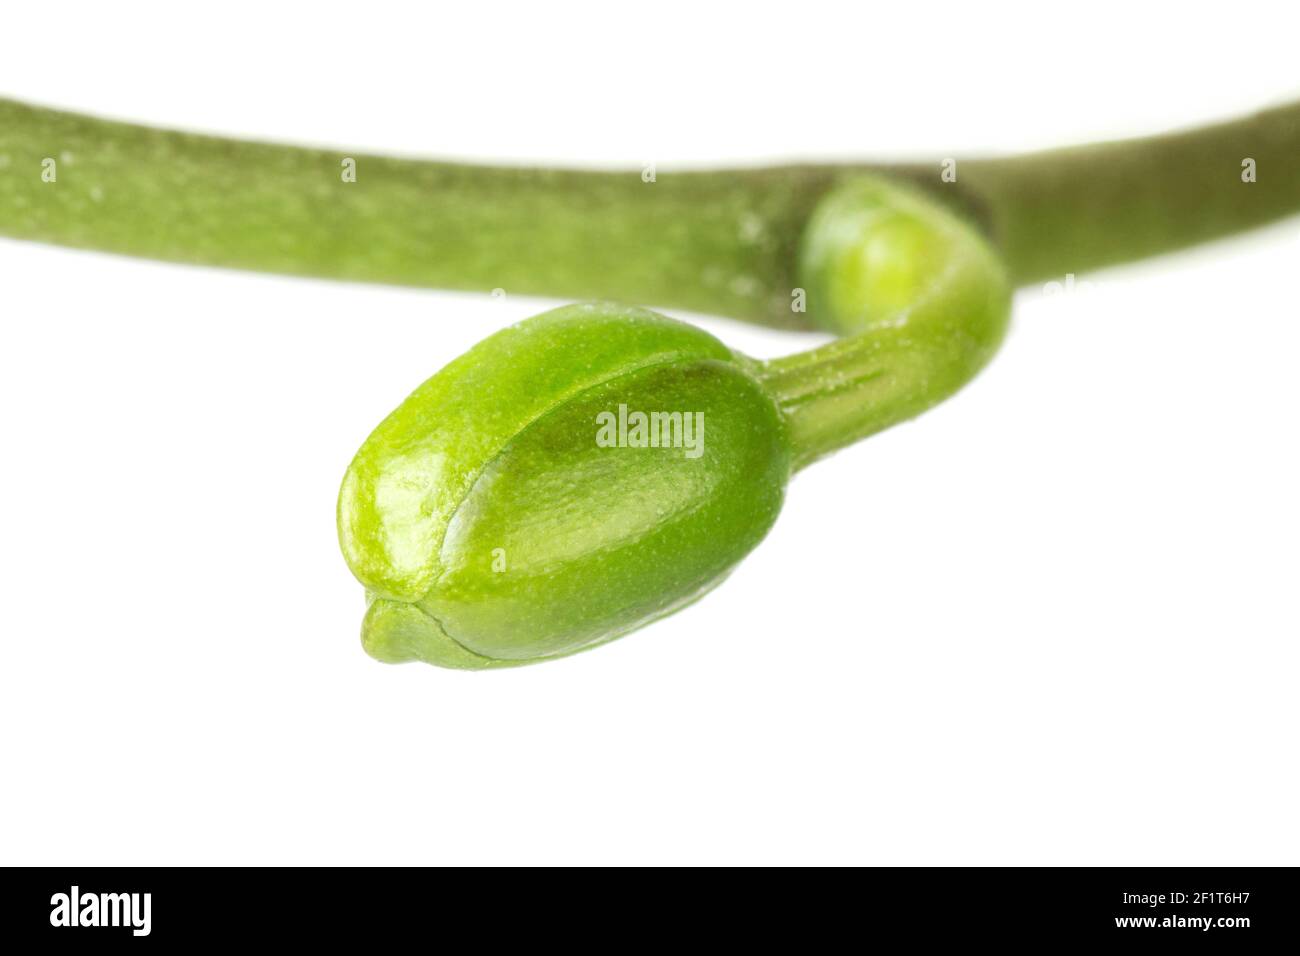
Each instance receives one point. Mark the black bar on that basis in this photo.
(1222, 907)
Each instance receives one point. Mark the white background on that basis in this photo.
(1053, 621)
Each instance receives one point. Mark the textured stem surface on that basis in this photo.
(725, 242)
(716, 242)
(921, 300)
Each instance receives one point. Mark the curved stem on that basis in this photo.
(923, 303)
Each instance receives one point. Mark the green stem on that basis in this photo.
(917, 278)
(1085, 207)
(724, 242)
(716, 242)
(920, 297)
(923, 299)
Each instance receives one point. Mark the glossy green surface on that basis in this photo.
(490, 525)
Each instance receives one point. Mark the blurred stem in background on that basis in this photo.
(725, 242)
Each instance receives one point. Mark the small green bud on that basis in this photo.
(564, 482)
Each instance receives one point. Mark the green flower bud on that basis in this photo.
(564, 482)
(595, 468)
